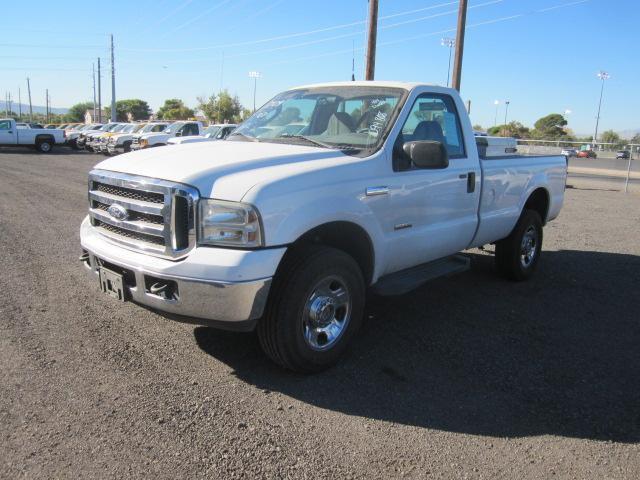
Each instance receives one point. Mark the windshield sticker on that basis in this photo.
(378, 124)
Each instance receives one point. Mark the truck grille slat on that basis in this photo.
(151, 215)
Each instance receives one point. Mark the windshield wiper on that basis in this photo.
(317, 143)
(248, 137)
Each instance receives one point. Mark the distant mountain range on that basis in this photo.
(36, 108)
(628, 133)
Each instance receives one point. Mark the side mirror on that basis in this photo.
(427, 154)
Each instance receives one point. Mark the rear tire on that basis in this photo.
(44, 146)
(517, 255)
(315, 307)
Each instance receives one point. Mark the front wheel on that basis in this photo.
(517, 255)
(315, 307)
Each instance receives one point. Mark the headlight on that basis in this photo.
(228, 224)
(144, 142)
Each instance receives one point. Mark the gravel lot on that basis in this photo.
(467, 377)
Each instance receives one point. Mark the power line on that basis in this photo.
(283, 37)
(429, 34)
(336, 37)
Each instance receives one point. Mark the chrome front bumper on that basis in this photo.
(220, 303)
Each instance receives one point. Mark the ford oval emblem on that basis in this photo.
(118, 212)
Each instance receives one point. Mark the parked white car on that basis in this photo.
(286, 234)
(74, 133)
(43, 139)
(121, 143)
(177, 129)
(211, 133)
(96, 140)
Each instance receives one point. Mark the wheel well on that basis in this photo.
(539, 202)
(345, 236)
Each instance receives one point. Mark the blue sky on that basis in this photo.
(541, 55)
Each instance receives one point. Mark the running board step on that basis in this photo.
(404, 281)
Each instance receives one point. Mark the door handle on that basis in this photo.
(471, 182)
(374, 191)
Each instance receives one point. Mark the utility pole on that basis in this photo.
(9, 98)
(113, 85)
(371, 40)
(30, 105)
(46, 105)
(602, 76)
(19, 104)
(99, 93)
(457, 63)
(353, 61)
(93, 70)
(506, 111)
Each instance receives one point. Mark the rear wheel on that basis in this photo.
(315, 307)
(517, 255)
(44, 146)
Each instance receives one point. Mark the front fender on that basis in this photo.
(286, 218)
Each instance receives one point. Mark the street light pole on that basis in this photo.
(457, 62)
(602, 75)
(255, 75)
(495, 119)
(448, 42)
(506, 110)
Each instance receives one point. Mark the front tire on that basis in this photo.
(517, 255)
(315, 307)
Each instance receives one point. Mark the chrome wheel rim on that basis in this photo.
(529, 246)
(327, 313)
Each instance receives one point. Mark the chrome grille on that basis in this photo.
(160, 215)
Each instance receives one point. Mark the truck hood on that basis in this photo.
(223, 170)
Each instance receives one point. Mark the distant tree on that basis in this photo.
(77, 111)
(512, 129)
(635, 139)
(610, 136)
(175, 109)
(139, 109)
(478, 128)
(222, 107)
(550, 127)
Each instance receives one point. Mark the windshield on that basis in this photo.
(211, 131)
(173, 128)
(119, 128)
(137, 128)
(129, 128)
(107, 127)
(346, 117)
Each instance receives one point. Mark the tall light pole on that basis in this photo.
(448, 42)
(495, 118)
(255, 75)
(114, 114)
(506, 111)
(602, 75)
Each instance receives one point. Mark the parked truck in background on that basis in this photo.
(210, 134)
(122, 143)
(285, 234)
(177, 129)
(42, 139)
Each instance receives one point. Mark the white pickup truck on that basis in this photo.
(177, 129)
(43, 139)
(212, 133)
(382, 190)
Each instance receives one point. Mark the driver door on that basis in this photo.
(434, 211)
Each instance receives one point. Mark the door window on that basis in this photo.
(5, 125)
(432, 117)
